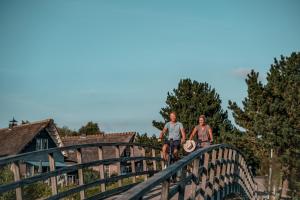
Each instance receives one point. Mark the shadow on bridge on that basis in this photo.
(213, 172)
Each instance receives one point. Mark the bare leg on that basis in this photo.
(165, 151)
(175, 153)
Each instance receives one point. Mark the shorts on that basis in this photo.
(176, 143)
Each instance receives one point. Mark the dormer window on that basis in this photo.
(41, 144)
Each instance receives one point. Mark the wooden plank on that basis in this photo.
(195, 172)
(132, 163)
(68, 169)
(101, 167)
(212, 172)
(80, 173)
(227, 177)
(144, 163)
(154, 161)
(204, 176)
(53, 178)
(224, 165)
(16, 171)
(218, 173)
(24, 156)
(181, 191)
(117, 148)
(165, 190)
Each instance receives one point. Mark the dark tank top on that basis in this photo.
(203, 134)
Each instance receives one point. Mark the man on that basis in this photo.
(174, 130)
(204, 133)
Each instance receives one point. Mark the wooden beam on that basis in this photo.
(204, 176)
(118, 164)
(195, 172)
(80, 172)
(16, 171)
(212, 172)
(132, 163)
(165, 190)
(144, 163)
(181, 191)
(101, 167)
(154, 161)
(53, 178)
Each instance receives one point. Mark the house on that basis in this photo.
(17, 139)
(91, 153)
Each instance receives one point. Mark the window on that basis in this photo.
(41, 143)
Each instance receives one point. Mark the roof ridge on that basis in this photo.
(95, 135)
(29, 123)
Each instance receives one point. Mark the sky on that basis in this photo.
(113, 62)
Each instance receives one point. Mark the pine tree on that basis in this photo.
(189, 101)
(272, 111)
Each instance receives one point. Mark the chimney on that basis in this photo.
(13, 123)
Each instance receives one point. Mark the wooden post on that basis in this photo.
(53, 178)
(16, 171)
(118, 165)
(212, 172)
(144, 163)
(132, 163)
(220, 156)
(204, 176)
(101, 168)
(228, 176)
(165, 190)
(195, 172)
(154, 161)
(181, 191)
(80, 172)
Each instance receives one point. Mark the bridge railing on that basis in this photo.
(215, 171)
(19, 183)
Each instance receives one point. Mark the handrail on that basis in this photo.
(14, 162)
(12, 158)
(71, 168)
(232, 173)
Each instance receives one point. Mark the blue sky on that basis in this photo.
(113, 62)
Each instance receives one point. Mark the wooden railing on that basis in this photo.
(18, 183)
(214, 172)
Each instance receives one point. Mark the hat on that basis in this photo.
(189, 146)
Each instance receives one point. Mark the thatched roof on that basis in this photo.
(91, 153)
(14, 140)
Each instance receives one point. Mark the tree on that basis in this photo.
(90, 128)
(66, 131)
(189, 101)
(272, 112)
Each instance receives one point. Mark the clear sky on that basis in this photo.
(113, 62)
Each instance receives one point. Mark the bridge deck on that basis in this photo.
(155, 193)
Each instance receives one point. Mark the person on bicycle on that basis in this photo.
(204, 133)
(174, 129)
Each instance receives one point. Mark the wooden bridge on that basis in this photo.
(214, 172)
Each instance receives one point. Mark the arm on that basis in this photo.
(182, 135)
(162, 133)
(193, 133)
(210, 135)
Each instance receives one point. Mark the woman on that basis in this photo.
(204, 133)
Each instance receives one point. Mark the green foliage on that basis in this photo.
(6, 176)
(189, 101)
(90, 128)
(32, 191)
(272, 111)
(36, 190)
(145, 139)
(66, 131)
